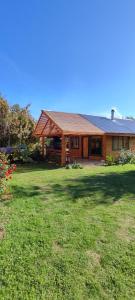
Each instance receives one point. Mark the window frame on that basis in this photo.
(120, 142)
(73, 144)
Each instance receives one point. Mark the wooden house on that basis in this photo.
(78, 136)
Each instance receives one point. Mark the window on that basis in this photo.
(75, 142)
(120, 142)
(57, 143)
(53, 143)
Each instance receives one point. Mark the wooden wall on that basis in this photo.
(77, 153)
(116, 153)
(53, 155)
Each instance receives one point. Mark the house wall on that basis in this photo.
(53, 155)
(77, 153)
(116, 153)
(82, 152)
(132, 143)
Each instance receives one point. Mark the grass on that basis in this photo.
(69, 234)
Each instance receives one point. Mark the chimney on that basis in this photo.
(112, 114)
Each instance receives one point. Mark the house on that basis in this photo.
(81, 136)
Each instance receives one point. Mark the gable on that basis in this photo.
(65, 123)
(46, 127)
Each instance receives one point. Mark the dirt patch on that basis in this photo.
(95, 257)
(2, 233)
(57, 247)
(126, 224)
(6, 197)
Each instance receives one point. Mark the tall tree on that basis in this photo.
(16, 124)
(4, 121)
(130, 118)
(22, 124)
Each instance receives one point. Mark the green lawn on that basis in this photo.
(69, 234)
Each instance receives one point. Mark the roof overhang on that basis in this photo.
(51, 124)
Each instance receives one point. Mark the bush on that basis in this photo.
(35, 152)
(74, 166)
(20, 154)
(110, 160)
(126, 157)
(6, 171)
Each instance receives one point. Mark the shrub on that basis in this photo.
(74, 166)
(35, 152)
(6, 171)
(110, 160)
(126, 156)
(21, 155)
(132, 161)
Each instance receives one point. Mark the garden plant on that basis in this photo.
(6, 171)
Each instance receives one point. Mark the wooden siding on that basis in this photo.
(116, 153)
(82, 152)
(85, 147)
(53, 155)
(77, 153)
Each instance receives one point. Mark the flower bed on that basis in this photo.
(6, 171)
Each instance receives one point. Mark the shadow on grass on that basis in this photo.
(36, 166)
(91, 189)
(26, 192)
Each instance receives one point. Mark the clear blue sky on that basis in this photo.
(68, 55)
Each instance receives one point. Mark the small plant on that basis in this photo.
(132, 161)
(110, 160)
(68, 166)
(6, 171)
(74, 166)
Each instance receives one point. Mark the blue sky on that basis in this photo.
(68, 55)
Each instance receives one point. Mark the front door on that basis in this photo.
(95, 146)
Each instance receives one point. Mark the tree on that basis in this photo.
(22, 124)
(4, 117)
(130, 118)
(16, 124)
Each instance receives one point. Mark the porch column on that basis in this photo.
(43, 146)
(104, 147)
(63, 150)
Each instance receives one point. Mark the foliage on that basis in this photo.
(110, 160)
(21, 155)
(6, 171)
(16, 124)
(22, 125)
(35, 151)
(26, 153)
(126, 156)
(130, 118)
(69, 235)
(4, 117)
(75, 165)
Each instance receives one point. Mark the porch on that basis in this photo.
(67, 149)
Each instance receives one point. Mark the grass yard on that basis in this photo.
(69, 234)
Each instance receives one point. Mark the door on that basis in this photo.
(85, 144)
(95, 146)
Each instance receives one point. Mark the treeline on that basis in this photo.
(16, 124)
